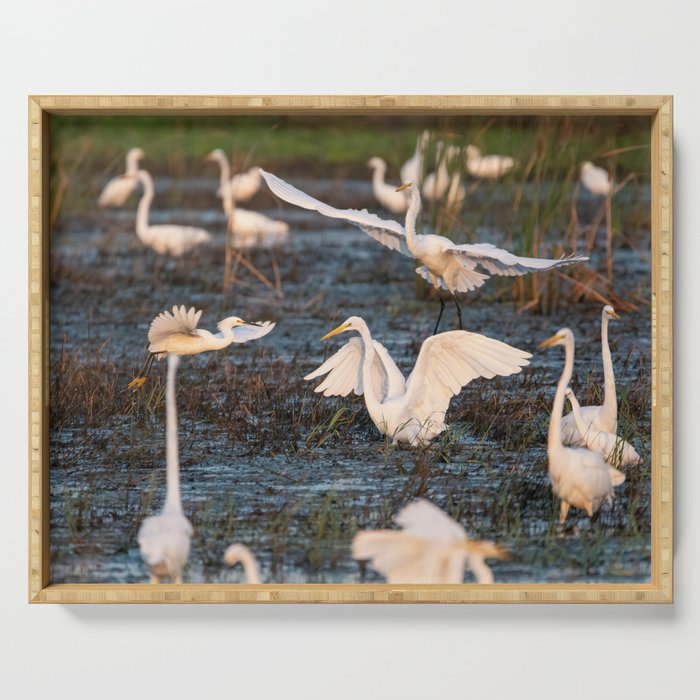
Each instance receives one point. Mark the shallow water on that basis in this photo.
(255, 471)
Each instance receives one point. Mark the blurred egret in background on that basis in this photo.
(118, 189)
(412, 169)
(487, 167)
(240, 554)
(385, 194)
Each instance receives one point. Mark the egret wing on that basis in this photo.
(502, 262)
(424, 519)
(449, 361)
(344, 370)
(244, 333)
(179, 321)
(389, 233)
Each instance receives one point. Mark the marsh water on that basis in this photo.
(267, 462)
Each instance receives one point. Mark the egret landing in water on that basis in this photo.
(176, 333)
(579, 477)
(164, 539)
(446, 265)
(118, 189)
(597, 418)
(413, 410)
(431, 548)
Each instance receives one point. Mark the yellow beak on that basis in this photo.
(337, 330)
(488, 550)
(549, 342)
(612, 314)
(405, 185)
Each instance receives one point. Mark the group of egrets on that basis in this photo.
(584, 451)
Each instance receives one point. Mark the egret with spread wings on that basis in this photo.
(175, 333)
(431, 548)
(446, 265)
(413, 410)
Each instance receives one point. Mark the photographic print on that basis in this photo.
(350, 349)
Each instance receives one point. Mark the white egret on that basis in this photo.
(250, 228)
(440, 182)
(616, 451)
(175, 333)
(118, 189)
(598, 418)
(164, 539)
(413, 410)
(446, 265)
(386, 195)
(166, 239)
(596, 180)
(240, 187)
(487, 167)
(431, 548)
(580, 478)
(412, 169)
(240, 554)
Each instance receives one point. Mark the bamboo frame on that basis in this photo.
(660, 111)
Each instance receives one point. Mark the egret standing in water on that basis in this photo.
(176, 333)
(165, 239)
(431, 548)
(240, 554)
(118, 189)
(614, 449)
(598, 418)
(446, 265)
(413, 410)
(580, 478)
(164, 539)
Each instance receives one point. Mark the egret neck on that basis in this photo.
(172, 457)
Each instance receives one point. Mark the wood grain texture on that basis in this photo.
(660, 111)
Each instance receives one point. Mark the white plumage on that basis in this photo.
(164, 539)
(176, 332)
(616, 451)
(580, 478)
(386, 195)
(431, 548)
(240, 554)
(441, 183)
(601, 418)
(596, 180)
(118, 189)
(413, 410)
(487, 167)
(168, 239)
(412, 169)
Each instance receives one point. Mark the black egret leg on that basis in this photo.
(138, 381)
(442, 308)
(459, 312)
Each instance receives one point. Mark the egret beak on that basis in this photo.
(339, 329)
(549, 342)
(241, 322)
(614, 315)
(405, 185)
(136, 383)
(488, 550)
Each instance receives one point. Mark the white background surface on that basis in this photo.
(345, 652)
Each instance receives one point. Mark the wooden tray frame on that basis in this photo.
(660, 111)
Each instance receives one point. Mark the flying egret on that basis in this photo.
(431, 548)
(446, 265)
(616, 451)
(413, 410)
(487, 167)
(167, 239)
(240, 554)
(118, 189)
(386, 195)
(175, 333)
(580, 478)
(412, 169)
(164, 539)
(598, 418)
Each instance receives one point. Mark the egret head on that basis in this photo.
(353, 323)
(563, 336)
(216, 155)
(609, 312)
(586, 165)
(234, 554)
(409, 186)
(569, 392)
(232, 322)
(376, 163)
(135, 154)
